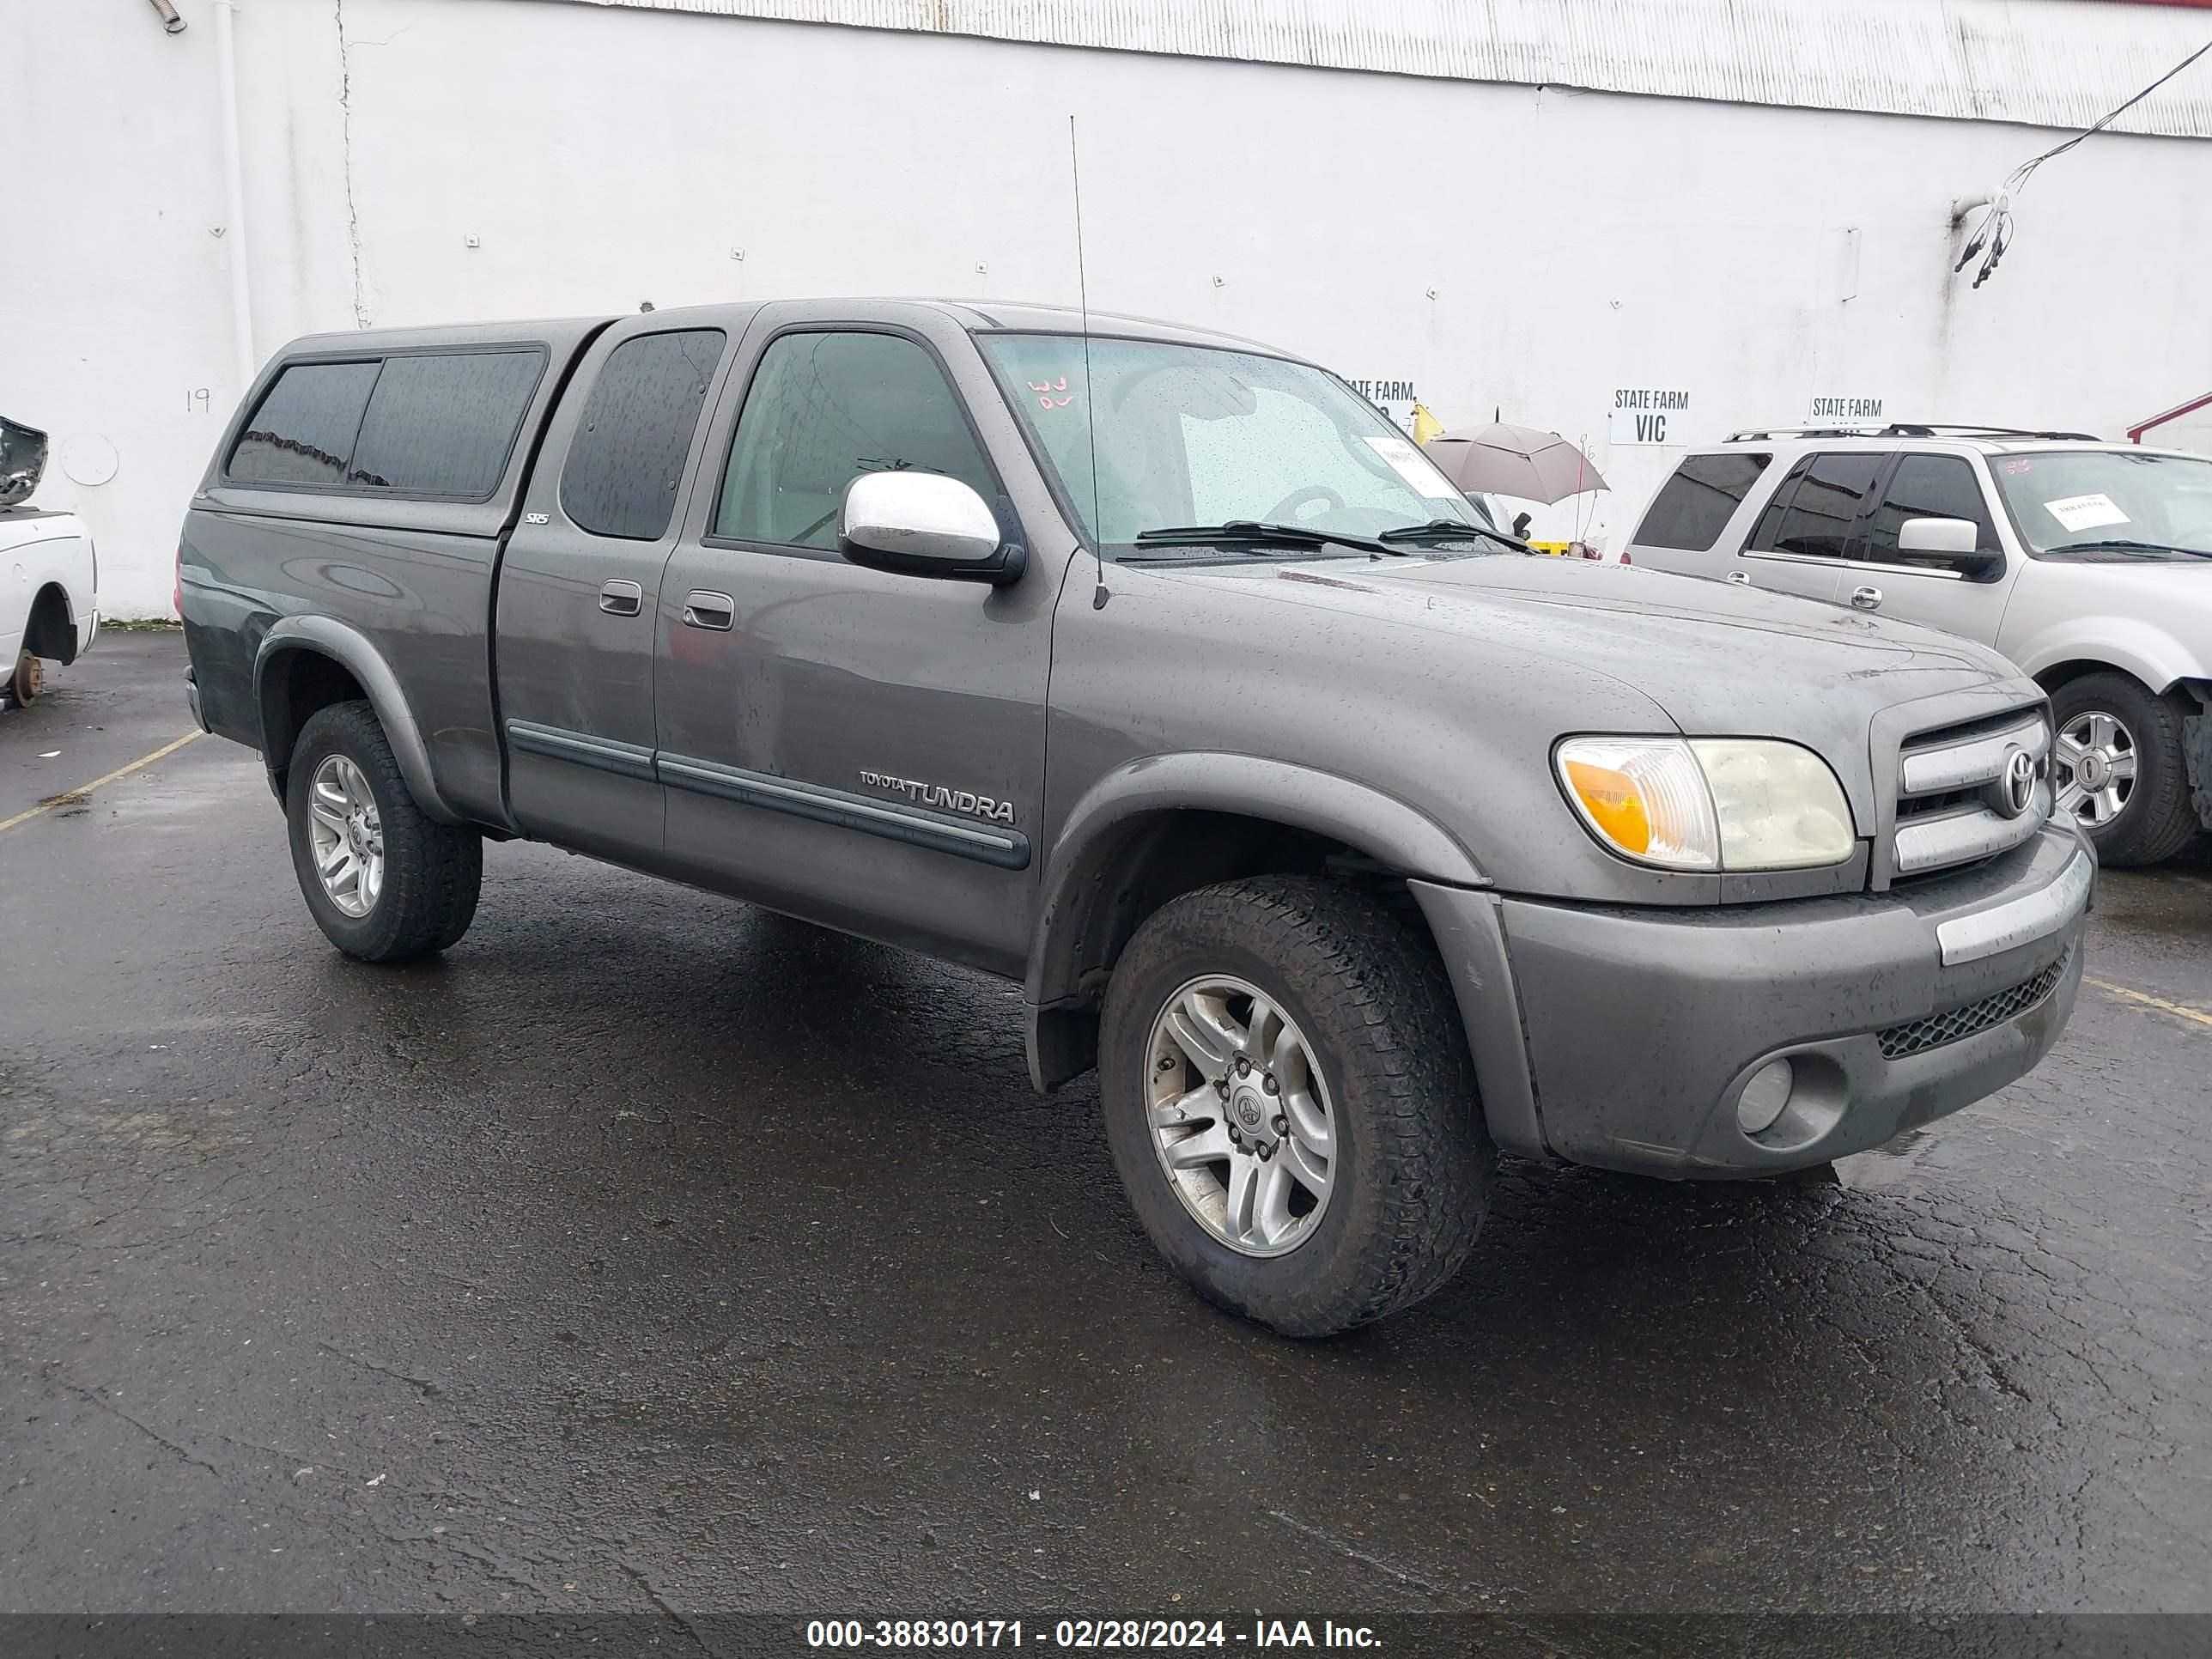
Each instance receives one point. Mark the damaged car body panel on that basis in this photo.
(49, 571)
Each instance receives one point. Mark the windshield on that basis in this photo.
(2108, 504)
(1187, 436)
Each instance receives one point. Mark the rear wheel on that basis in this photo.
(2119, 770)
(1290, 1104)
(385, 882)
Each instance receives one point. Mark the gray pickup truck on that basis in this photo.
(1156, 670)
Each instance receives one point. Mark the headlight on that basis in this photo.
(1779, 806)
(1708, 803)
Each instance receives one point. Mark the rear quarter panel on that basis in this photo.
(37, 549)
(1717, 561)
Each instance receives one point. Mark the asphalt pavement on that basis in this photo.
(652, 1253)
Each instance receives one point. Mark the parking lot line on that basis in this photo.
(2178, 1010)
(84, 789)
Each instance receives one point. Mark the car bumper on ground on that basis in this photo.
(1627, 1038)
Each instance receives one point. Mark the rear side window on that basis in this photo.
(430, 423)
(304, 430)
(628, 455)
(1694, 507)
(1813, 513)
(442, 423)
(823, 409)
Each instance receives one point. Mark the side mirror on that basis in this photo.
(924, 524)
(1952, 542)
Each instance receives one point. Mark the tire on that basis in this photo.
(2158, 818)
(432, 873)
(1410, 1164)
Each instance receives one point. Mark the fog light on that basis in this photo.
(1764, 1096)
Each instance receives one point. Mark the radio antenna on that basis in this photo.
(1099, 594)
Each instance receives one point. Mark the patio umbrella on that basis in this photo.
(1515, 460)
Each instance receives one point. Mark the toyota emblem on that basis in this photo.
(2016, 786)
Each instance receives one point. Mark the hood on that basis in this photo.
(1720, 659)
(1705, 652)
(1696, 647)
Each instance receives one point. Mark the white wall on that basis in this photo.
(1575, 243)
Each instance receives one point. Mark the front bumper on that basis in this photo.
(1623, 1038)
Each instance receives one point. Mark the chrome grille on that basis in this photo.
(1917, 1036)
(1951, 807)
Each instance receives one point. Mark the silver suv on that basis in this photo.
(2089, 563)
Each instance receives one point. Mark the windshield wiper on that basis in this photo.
(1451, 530)
(1253, 533)
(2129, 547)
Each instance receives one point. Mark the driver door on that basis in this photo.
(860, 748)
(1926, 588)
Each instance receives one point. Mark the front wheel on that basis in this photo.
(2119, 769)
(1290, 1104)
(385, 882)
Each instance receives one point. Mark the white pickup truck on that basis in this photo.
(49, 574)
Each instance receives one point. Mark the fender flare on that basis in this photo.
(352, 650)
(1244, 786)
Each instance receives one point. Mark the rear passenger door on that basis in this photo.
(860, 748)
(1802, 542)
(580, 590)
(1927, 587)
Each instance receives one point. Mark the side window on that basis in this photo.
(441, 424)
(1813, 513)
(1928, 487)
(626, 457)
(303, 431)
(823, 409)
(1694, 507)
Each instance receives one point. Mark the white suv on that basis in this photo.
(2088, 564)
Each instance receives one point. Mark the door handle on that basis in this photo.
(1740, 577)
(620, 599)
(1866, 598)
(703, 609)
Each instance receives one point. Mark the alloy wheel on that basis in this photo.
(2096, 768)
(347, 835)
(1240, 1115)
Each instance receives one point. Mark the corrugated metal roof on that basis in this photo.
(2044, 63)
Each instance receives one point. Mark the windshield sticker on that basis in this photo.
(1052, 394)
(1409, 463)
(2092, 511)
(2018, 465)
